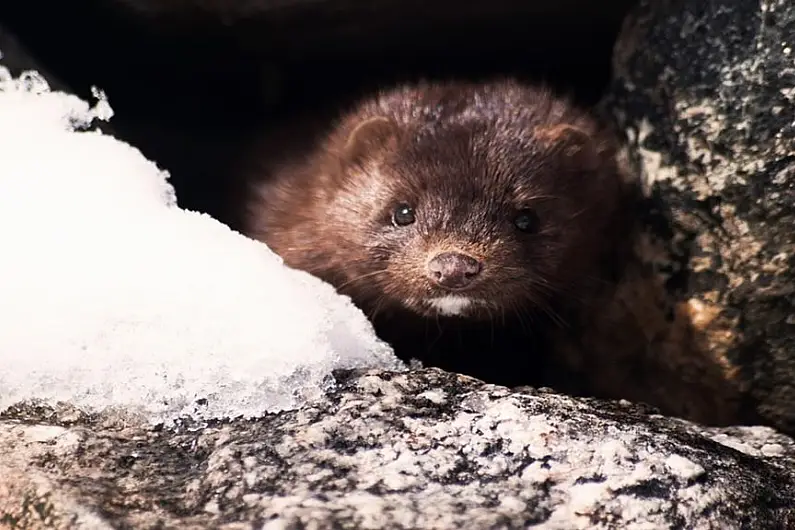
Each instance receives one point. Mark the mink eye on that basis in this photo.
(403, 215)
(526, 220)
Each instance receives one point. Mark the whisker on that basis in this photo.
(378, 305)
(539, 197)
(521, 313)
(361, 277)
(556, 318)
(578, 213)
(491, 326)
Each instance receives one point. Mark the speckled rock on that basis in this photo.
(411, 450)
(705, 93)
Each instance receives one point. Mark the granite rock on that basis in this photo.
(705, 95)
(425, 449)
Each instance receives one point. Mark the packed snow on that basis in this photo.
(113, 297)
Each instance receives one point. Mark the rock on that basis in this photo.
(705, 93)
(413, 450)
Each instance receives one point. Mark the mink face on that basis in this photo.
(465, 200)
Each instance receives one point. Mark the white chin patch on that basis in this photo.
(450, 305)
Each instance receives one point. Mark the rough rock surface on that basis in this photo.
(410, 450)
(705, 92)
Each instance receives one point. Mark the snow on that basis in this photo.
(112, 297)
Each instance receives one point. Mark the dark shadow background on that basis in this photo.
(191, 80)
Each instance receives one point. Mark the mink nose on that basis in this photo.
(453, 269)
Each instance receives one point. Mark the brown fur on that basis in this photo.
(468, 158)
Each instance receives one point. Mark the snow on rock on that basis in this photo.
(113, 297)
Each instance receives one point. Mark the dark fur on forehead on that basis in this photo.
(500, 118)
(500, 105)
(462, 134)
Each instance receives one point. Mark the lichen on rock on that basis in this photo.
(705, 94)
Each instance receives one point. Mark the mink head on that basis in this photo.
(474, 201)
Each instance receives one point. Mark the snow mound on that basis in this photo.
(112, 297)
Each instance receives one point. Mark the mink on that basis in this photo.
(466, 219)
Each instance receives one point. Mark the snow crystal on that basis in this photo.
(113, 297)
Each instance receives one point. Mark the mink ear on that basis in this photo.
(574, 142)
(368, 138)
